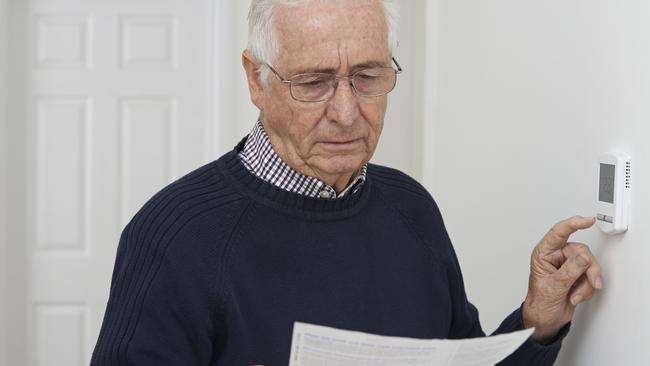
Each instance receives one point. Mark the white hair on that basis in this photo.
(262, 37)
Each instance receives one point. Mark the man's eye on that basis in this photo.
(367, 76)
(312, 82)
(315, 82)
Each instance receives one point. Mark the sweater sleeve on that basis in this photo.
(166, 304)
(159, 310)
(466, 324)
(530, 352)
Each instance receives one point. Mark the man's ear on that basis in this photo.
(255, 87)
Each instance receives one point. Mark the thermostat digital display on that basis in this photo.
(606, 185)
(613, 196)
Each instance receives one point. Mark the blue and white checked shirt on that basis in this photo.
(259, 157)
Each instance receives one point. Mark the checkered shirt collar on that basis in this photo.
(259, 158)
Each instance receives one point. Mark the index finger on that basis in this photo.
(557, 237)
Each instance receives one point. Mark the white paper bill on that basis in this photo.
(315, 345)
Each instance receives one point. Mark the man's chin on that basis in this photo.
(339, 165)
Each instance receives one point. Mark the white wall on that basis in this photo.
(400, 144)
(235, 115)
(3, 154)
(527, 95)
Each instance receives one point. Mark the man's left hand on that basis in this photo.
(562, 275)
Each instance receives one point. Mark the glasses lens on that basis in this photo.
(375, 81)
(317, 87)
(312, 87)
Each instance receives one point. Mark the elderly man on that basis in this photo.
(294, 224)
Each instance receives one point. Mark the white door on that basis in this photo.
(117, 105)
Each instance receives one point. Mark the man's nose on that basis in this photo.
(343, 107)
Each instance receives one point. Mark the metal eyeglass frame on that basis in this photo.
(337, 78)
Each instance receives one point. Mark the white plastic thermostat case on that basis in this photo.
(613, 192)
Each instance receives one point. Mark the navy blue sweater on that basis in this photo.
(217, 266)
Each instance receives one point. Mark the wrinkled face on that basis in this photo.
(330, 140)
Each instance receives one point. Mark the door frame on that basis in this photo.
(13, 190)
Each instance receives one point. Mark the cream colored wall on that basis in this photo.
(526, 96)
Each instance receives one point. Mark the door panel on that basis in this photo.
(117, 106)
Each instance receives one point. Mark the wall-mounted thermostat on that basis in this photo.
(613, 193)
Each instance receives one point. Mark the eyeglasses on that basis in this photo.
(318, 87)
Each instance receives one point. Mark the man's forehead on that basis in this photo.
(330, 18)
(325, 35)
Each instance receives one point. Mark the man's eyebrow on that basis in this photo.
(331, 70)
(313, 70)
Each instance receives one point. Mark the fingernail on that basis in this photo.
(581, 261)
(599, 283)
(575, 300)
